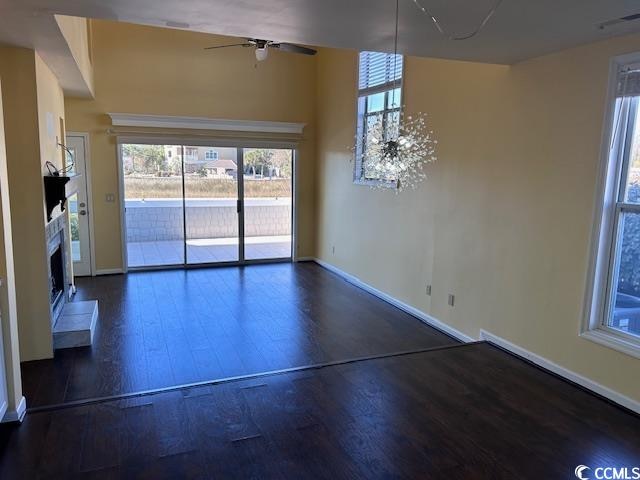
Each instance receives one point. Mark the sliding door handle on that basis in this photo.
(238, 205)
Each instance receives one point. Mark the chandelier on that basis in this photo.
(395, 152)
(398, 153)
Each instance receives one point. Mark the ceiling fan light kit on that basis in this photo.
(262, 53)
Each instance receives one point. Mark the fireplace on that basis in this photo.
(73, 323)
(56, 265)
(58, 282)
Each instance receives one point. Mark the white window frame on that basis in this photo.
(361, 109)
(601, 279)
(211, 155)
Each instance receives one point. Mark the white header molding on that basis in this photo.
(202, 123)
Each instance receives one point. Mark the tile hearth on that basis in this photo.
(76, 325)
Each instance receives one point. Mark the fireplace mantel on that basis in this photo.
(56, 190)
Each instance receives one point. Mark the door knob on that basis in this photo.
(82, 212)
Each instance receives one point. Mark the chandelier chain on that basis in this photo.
(464, 36)
(395, 55)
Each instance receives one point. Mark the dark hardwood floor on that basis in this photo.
(165, 328)
(465, 412)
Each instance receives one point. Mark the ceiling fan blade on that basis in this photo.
(233, 45)
(291, 48)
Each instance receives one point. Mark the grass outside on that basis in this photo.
(202, 187)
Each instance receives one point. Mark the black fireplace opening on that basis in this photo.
(57, 275)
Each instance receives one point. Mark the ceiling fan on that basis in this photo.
(262, 47)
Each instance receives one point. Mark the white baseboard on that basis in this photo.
(563, 372)
(574, 377)
(419, 314)
(109, 271)
(16, 415)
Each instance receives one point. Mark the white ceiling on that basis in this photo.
(519, 30)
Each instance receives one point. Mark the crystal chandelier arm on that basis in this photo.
(465, 36)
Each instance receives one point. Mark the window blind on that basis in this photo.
(629, 83)
(377, 68)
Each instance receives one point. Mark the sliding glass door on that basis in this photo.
(211, 201)
(153, 204)
(268, 200)
(206, 204)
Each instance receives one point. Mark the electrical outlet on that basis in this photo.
(452, 299)
(428, 290)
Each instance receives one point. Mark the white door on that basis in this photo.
(78, 207)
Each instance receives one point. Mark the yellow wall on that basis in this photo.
(52, 132)
(147, 70)
(76, 32)
(504, 220)
(50, 112)
(8, 308)
(33, 105)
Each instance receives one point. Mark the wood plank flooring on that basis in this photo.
(465, 412)
(166, 328)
